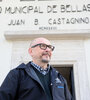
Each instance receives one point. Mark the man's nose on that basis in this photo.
(48, 49)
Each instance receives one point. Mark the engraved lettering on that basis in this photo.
(16, 22)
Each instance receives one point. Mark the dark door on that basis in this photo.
(67, 72)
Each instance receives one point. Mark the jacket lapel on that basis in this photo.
(30, 71)
(54, 75)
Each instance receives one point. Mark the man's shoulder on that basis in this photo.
(21, 66)
(18, 71)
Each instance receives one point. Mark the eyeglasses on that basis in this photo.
(44, 46)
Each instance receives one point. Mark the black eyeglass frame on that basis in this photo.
(49, 46)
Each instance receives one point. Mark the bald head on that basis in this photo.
(41, 51)
(40, 40)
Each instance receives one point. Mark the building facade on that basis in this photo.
(65, 23)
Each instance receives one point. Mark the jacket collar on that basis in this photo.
(27, 67)
(30, 71)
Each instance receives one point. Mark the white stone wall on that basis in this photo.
(68, 51)
(72, 41)
(5, 56)
(87, 56)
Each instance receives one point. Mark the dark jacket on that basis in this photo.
(22, 83)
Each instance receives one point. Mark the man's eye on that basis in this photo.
(43, 45)
(50, 46)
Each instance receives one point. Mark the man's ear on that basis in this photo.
(30, 51)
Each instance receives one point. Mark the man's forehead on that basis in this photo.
(41, 40)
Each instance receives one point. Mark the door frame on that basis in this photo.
(74, 64)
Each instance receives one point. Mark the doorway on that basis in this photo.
(67, 72)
